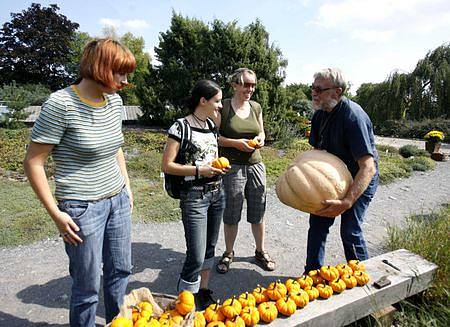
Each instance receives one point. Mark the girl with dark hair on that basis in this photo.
(81, 127)
(202, 199)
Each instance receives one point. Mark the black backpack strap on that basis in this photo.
(212, 127)
(185, 134)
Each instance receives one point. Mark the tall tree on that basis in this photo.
(77, 45)
(137, 47)
(191, 50)
(35, 47)
(423, 93)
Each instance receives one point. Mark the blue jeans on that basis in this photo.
(201, 215)
(105, 228)
(351, 231)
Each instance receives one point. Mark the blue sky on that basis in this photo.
(367, 39)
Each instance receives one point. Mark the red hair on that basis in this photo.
(103, 58)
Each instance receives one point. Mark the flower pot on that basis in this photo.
(432, 147)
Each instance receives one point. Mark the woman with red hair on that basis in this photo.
(81, 128)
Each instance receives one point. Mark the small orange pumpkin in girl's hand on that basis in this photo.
(253, 143)
(220, 163)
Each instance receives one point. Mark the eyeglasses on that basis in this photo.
(249, 85)
(319, 90)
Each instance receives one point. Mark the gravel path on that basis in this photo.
(35, 285)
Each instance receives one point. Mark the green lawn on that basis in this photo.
(23, 220)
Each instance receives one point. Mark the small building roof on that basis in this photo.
(131, 113)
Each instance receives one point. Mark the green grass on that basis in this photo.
(23, 220)
(428, 236)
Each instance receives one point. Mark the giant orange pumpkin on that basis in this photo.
(314, 176)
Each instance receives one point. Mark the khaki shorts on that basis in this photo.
(245, 182)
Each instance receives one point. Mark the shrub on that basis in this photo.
(413, 129)
(409, 150)
(422, 163)
(286, 135)
(427, 236)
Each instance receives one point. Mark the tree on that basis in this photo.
(35, 47)
(423, 93)
(192, 50)
(137, 47)
(77, 45)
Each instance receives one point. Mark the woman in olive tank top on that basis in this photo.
(241, 137)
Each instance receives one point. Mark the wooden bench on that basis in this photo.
(415, 275)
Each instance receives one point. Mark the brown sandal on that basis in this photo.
(264, 259)
(223, 265)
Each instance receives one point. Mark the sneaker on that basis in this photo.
(203, 299)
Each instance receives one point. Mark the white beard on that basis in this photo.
(327, 106)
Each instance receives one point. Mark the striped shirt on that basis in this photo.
(87, 136)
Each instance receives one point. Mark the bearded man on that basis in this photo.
(341, 127)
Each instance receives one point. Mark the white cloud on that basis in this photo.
(383, 20)
(126, 24)
(367, 35)
(357, 12)
(136, 24)
(110, 22)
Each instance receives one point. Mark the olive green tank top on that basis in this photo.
(234, 127)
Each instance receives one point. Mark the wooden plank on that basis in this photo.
(384, 317)
(416, 275)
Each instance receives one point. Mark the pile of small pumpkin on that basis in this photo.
(282, 298)
(143, 315)
(249, 308)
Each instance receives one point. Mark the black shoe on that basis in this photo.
(203, 299)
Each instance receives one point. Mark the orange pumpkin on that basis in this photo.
(247, 300)
(300, 297)
(313, 176)
(260, 294)
(220, 163)
(286, 306)
(313, 293)
(349, 280)
(356, 265)
(231, 308)
(253, 143)
(315, 276)
(185, 302)
(338, 285)
(329, 273)
(344, 269)
(213, 313)
(165, 323)
(292, 285)
(216, 324)
(235, 322)
(122, 322)
(361, 277)
(276, 290)
(153, 323)
(250, 315)
(199, 319)
(268, 311)
(305, 281)
(325, 291)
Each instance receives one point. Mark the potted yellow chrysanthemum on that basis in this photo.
(433, 141)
